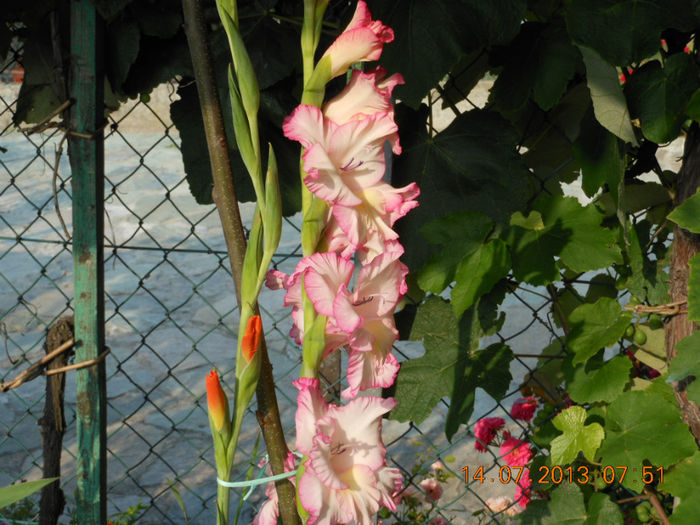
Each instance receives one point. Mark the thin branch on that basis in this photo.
(57, 160)
(653, 498)
(35, 370)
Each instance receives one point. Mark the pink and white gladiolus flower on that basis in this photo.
(361, 41)
(367, 93)
(345, 478)
(361, 319)
(345, 162)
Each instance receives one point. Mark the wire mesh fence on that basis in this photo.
(171, 316)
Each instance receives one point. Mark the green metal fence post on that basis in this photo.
(87, 167)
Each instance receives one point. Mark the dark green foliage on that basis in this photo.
(423, 54)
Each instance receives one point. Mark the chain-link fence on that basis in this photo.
(171, 316)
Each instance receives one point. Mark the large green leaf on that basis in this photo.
(595, 326)
(687, 215)
(40, 94)
(473, 165)
(432, 36)
(609, 102)
(461, 234)
(603, 511)
(687, 363)
(122, 48)
(157, 17)
(14, 493)
(488, 369)
(648, 280)
(576, 436)
(565, 506)
(572, 232)
(624, 32)
(601, 383)
(478, 272)
(273, 47)
(634, 424)
(601, 158)
(451, 366)
(658, 96)
(541, 61)
(683, 481)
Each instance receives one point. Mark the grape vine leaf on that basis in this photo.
(576, 436)
(122, 48)
(601, 159)
(451, 366)
(540, 62)
(648, 279)
(601, 383)
(478, 272)
(461, 234)
(658, 96)
(595, 326)
(572, 232)
(609, 104)
(687, 215)
(425, 55)
(633, 424)
(683, 481)
(479, 170)
(565, 506)
(687, 363)
(603, 511)
(625, 32)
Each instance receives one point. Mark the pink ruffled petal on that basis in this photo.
(326, 275)
(384, 280)
(307, 126)
(377, 336)
(344, 312)
(365, 95)
(310, 408)
(324, 179)
(366, 370)
(389, 483)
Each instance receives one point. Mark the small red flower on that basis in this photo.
(517, 453)
(524, 408)
(485, 430)
(432, 488)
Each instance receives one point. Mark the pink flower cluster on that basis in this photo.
(515, 452)
(345, 478)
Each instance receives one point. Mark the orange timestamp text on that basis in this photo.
(557, 474)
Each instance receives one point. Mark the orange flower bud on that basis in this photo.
(251, 338)
(216, 401)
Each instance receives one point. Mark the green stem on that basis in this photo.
(227, 205)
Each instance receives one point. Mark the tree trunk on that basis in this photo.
(685, 246)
